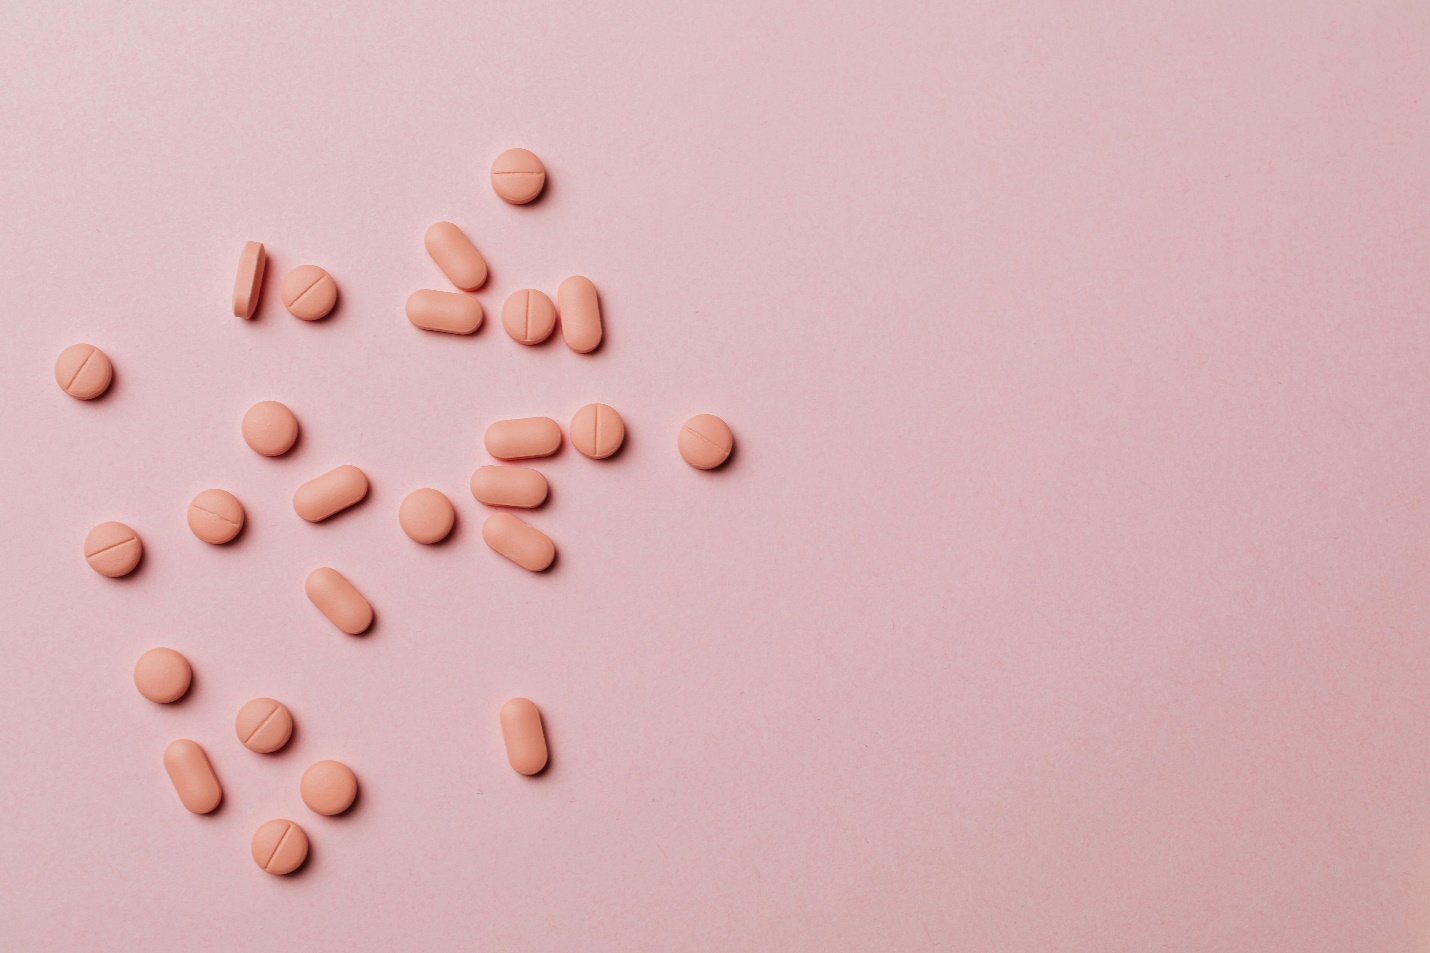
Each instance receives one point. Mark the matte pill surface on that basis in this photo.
(455, 254)
(330, 493)
(83, 371)
(705, 441)
(279, 846)
(525, 739)
(597, 431)
(580, 311)
(518, 176)
(447, 311)
(528, 316)
(426, 515)
(328, 787)
(264, 725)
(509, 486)
(216, 516)
(339, 600)
(520, 542)
(523, 438)
(193, 776)
(113, 549)
(249, 282)
(162, 675)
(270, 428)
(309, 292)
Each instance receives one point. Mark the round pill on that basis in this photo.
(279, 846)
(264, 725)
(330, 493)
(455, 254)
(525, 739)
(509, 486)
(309, 292)
(270, 428)
(193, 777)
(249, 281)
(215, 516)
(448, 311)
(522, 543)
(580, 310)
(83, 371)
(522, 438)
(113, 549)
(162, 675)
(328, 787)
(528, 316)
(705, 441)
(597, 431)
(518, 176)
(339, 600)
(426, 515)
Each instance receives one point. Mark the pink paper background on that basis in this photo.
(1068, 590)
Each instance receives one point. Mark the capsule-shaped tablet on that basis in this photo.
(249, 281)
(339, 600)
(520, 542)
(330, 493)
(525, 740)
(580, 312)
(455, 254)
(193, 776)
(446, 311)
(509, 486)
(523, 438)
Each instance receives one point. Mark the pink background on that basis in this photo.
(1068, 590)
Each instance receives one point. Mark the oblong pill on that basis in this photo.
(113, 549)
(248, 284)
(525, 739)
(193, 776)
(518, 176)
(339, 600)
(270, 428)
(216, 516)
(309, 292)
(328, 787)
(263, 725)
(509, 486)
(330, 493)
(455, 254)
(163, 675)
(279, 846)
(597, 431)
(447, 311)
(705, 441)
(426, 515)
(520, 542)
(83, 371)
(528, 316)
(523, 438)
(580, 312)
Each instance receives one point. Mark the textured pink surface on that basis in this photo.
(1068, 588)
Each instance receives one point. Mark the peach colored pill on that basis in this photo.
(249, 282)
(193, 776)
(426, 515)
(447, 311)
(215, 516)
(83, 371)
(328, 787)
(528, 316)
(518, 176)
(455, 254)
(705, 441)
(264, 725)
(330, 493)
(279, 846)
(580, 311)
(522, 438)
(309, 292)
(597, 431)
(337, 599)
(509, 486)
(270, 428)
(113, 549)
(162, 675)
(520, 542)
(525, 739)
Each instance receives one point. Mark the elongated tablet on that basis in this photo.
(579, 308)
(330, 493)
(520, 542)
(509, 486)
(525, 738)
(249, 282)
(193, 776)
(523, 438)
(455, 254)
(447, 311)
(339, 600)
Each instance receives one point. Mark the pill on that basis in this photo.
(509, 486)
(193, 776)
(215, 516)
(264, 725)
(426, 515)
(337, 599)
(113, 549)
(328, 787)
(330, 493)
(448, 311)
(528, 316)
(162, 675)
(249, 282)
(518, 176)
(705, 441)
(270, 428)
(520, 542)
(525, 740)
(309, 292)
(83, 371)
(597, 431)
(522, 438)
(580, 312)
(279, 846)
(455, 254)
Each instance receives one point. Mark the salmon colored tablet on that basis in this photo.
(83, 371)
(518, 176)
(528, 316)
(705, 441)
(162, 675)
(523, 438)
(216, 516)
(113, 549)
(193, 776)
(339, 600)
(249, 282)
(330, 493)
(270, 428)
(264, 725)
(509, 486)
(279, 846)
(525, 739)
(455, 254)
(426, 515)
(597, 431)
(520, 542)
(580, 312)
(447, 311)
(328, 787)
(309, 292)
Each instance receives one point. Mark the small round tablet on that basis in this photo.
(426, 515)
(279, 846)
(705, 441)
(518, 176)
(597, 431)
(270, 428)
(528, 316)
(162, 675)
(113, 549)
(328, 787)
(216, 516)
(264, 725)
(83, 371)
(309, 292)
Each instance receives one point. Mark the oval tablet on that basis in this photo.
(523, 438)
(337, 599)
(264, 725)
(509, 486)
(216, 516)
(426, 515)
(83, 371)
(309, 292)
(193, 776)
(270, 428)
(446, 311)
(597, 431)
(518, 176)
(328, 787)
(525, 739)
(455, 254)
(520, 542)
(705, 441)
(249, 282)
(528, 316)
(113, 549)
(330, 493)
(162, 675)
(279, 846)
(580, 312)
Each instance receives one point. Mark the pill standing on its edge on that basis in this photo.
(447, 311)
(705, 441)
(263, 725)
(339, 600)
(83, 371)
(279, 846)
(193, 777)
(328, 787)
(331, 493)
(163, 675)
(597, 431)
(426, 515)
(518, 176)
(270, 428)
(528, 316)
(455, 254)
(113, 549)
(216, 516)
(509, 486)
(525, 739)
(518, 541)
(249, 283)
(523, 438)
(309, 292)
